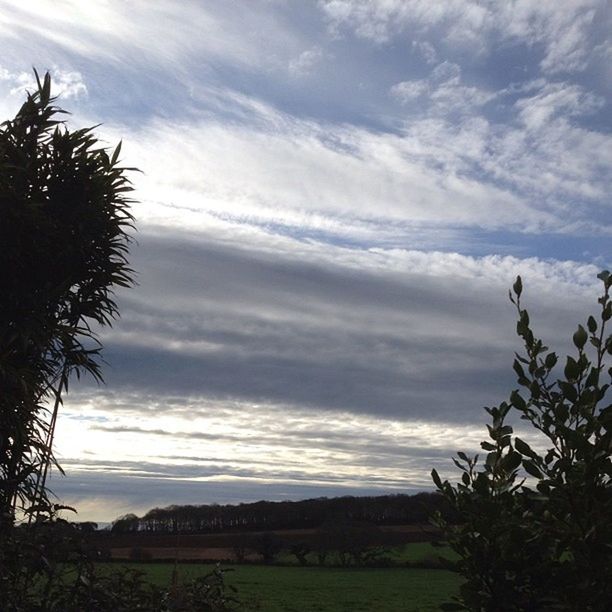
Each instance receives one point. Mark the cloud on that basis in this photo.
(184, 36)
(407, 91)
(445, 92)
(64, 83)
(391, 333)
(564, 29)
(555, 99)
(426, 50)
(256, 166)
(305, 62)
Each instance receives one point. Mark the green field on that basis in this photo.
(296, 589)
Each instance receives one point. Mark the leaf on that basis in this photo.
(517, 401)
(518, 368)
(511, 461)
(518, 286)
(116, 152)
(572, 369)
(568, 390)
(580, 337)
(604, 276)
(532, 469)
(523, 448)
(436, 478)
(551, 360)
(592, 324)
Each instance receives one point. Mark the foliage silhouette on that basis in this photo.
(65, 216)
(65, 220)
(540, 537)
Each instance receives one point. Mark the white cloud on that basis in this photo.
(180, 37)
(407, 91)
(426, 50)
(267, 167)
(64, 83)
(554, 99)
(561, 26)
(444, 91)
(305, 62)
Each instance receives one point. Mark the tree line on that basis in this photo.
(269, 515)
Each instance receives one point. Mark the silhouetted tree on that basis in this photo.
(300, 550)
(64, 216)
(128, 523)
(268, 545)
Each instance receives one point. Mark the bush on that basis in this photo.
(535, 529)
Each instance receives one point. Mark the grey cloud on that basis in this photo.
(113, 494)
(215, 323)
(369, 444)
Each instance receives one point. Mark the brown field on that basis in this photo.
(222, 546)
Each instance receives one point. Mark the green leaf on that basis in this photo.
(436, 478)
(517, 401)
(572, 369)
(605, 276)
(518, 286)
(532, 469)
(580, 338)
(116, 152)
(561, 411)
(511, 461)
(551, 360)
(592, 324)
(593, 378)
(518, 368)
(523, 448)
(568, 390)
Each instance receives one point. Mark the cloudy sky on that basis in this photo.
(335, 197)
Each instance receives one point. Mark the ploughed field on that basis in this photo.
(234, 546)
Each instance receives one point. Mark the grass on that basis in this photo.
(310, 589)
(399, 555)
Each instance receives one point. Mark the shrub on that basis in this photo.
(535, 528)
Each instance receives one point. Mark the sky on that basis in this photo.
(335, 197)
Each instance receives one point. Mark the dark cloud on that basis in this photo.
(220, 323)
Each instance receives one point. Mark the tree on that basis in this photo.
(535, 528)
(268, 545)
(65, 217)
(128, 523)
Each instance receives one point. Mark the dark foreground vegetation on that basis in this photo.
(535, 528)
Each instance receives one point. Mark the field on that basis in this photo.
(408, 542)
(403, 581)
(309, 589)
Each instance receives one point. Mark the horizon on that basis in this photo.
(334, 201)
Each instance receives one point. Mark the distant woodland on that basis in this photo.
(268, 515)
